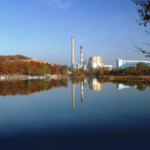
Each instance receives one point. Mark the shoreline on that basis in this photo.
(125, 77)
(27, 77)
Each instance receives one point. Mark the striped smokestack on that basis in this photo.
(72, 48)
(81, 56)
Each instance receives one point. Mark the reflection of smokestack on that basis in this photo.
(72, 48)
(82, 91)
(81, 56)
(73, 96)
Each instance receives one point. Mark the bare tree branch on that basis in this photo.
(135, 51)
(147, 32)
(147, 44)
(141, 50)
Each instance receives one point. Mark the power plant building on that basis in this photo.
(96, 62)
(86, 63)
(128, 63)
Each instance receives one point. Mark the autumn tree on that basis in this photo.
(100, 72)
(106, 71)
(141, 65)
(1, 68)
(87, 71)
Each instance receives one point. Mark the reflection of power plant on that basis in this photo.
(73, 95)
(122, 86)
(92, 83)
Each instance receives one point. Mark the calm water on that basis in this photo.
(83, 114)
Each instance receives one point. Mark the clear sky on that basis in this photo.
(42, 29)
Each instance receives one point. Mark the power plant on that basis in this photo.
(93, 62)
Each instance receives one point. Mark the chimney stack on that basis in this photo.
(72, 48)
(81, 56)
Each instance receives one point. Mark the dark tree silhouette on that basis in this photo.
(144, 13)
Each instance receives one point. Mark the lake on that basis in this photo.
(74, 114)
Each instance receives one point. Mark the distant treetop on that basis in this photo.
(12, 57)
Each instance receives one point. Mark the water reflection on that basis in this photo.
(82, 91)
(93, 84)
(75, 115)
(96, 85)
(32, 86)
(27, 87)
(73, 97)
(122, 86)
(139, 85)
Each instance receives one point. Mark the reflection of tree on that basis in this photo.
(29, 86)
(77, 80)
(141, 85)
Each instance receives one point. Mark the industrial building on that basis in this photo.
(96, 62)
(93, 62)
(120, 63)
(86, 63)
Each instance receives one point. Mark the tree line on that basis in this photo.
(140, 69)
(30, 68)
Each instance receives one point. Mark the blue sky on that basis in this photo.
(42, 29)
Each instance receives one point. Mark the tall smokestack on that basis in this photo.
(81, 56)
(72, 48)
